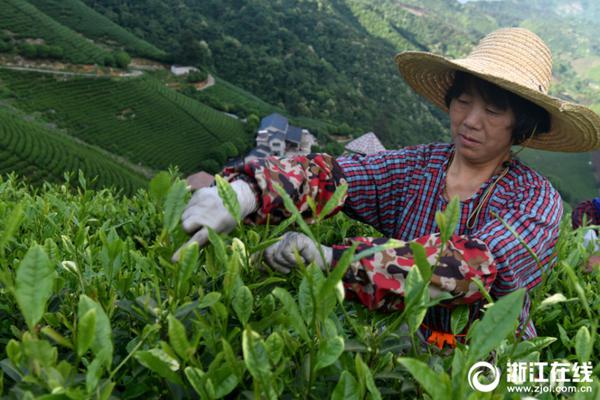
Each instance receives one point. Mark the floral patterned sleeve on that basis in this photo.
(378, 280)
(315, 175)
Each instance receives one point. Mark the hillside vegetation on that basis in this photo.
(91, 307)
(83, 19)
(139, 119)
(34, 34)
(42, 155)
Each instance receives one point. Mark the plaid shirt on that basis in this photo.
(398, 192)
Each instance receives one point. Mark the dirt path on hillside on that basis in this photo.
(210, 80)
(131, 74)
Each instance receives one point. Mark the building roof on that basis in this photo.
(365, 144)
(276, 121)
(200, 180)
(277, 136)
(294, 134)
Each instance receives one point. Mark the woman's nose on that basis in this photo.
(474, 117)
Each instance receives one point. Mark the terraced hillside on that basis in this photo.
(83, 19)
(41, 155)
(25, 24)
(139, 119)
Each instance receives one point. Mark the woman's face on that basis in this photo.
(481, 132)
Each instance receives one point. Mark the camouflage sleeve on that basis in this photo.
(315, 175)
(378, 281)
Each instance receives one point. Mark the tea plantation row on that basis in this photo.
(92, 307)
(139, 118)
(41, 155)
(25, 21)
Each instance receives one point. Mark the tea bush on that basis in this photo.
(92, 307)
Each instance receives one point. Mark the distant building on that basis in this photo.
(179, 70)
(200, 180)
(366, 144)
(277, 137)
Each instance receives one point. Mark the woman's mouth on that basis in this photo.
(468, 140)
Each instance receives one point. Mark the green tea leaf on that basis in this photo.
(293, 314)
(86, 331)
(218, 245)
(364, 375)
(174, 205)
(197, 379)
(421, 261)
(449, 220)
(178, 338)
(498, 322)
(229, 197)
(161, 363)
(459, 319)
(336, 200)
(103, 337)
(188, 264)
(274, 344)
(223, 381)
(34, 283)
(329, 351)
(10, 226)
(96, 368)
(291, 207)
(459, 373)
(329, 287)
(256, 358)
(57, 337)
(209, 300)
(554, 299)
(305, 301)
(435, 383)
(583, 344)
(159, 186)
(242, 303)
(346, 388)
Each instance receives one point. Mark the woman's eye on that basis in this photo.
(493, 111)
(462, 100)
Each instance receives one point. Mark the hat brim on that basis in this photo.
(573, 128)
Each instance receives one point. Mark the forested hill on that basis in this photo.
(333, 59)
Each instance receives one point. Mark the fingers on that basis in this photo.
(200, 237)
(270, 258)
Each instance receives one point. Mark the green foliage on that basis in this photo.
(196, 76)
(41, 155)
(27, 21)
(215, 325)
(133, 118)
(34, 282)
(122, 59)
(83, 19)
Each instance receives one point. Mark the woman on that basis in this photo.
(496, 97)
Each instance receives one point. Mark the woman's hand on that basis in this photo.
(281, 255)
(206, 210)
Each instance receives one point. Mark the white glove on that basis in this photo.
(280, 256)
(590, 237)
(206, 209)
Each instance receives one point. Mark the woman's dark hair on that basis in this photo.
(528, 116)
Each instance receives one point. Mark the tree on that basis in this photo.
(252, 123)
(122, 59)
(197, 76)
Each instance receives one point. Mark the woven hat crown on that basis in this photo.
(515, 55)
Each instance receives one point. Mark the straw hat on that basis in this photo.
(520, 62)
